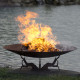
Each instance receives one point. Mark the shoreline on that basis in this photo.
(28, 71)
(24, 3)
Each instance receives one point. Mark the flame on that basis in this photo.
(36, 36)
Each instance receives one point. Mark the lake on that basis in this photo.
(65, 24)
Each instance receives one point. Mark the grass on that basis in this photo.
(4, 75)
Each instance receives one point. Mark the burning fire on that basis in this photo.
(37, 37)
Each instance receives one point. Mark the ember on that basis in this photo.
(41, 45)
(36, 37)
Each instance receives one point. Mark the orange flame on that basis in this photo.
(34, 35)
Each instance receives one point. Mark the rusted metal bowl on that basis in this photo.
(17, 48)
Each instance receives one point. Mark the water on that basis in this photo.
(65, 23)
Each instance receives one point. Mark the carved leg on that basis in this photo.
(28, 64)
(58, 65)
(22, 65)
(52, 64)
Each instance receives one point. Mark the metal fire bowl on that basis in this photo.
(17, 48)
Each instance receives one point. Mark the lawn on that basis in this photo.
(5, 75)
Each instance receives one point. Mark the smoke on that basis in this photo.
(65, 46)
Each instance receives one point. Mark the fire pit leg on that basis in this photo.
(58, 65)
(52, 64)
(45, 67)
(39, 63)
(34, 67)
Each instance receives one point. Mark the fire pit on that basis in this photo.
(18, 49)
(36, 40)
